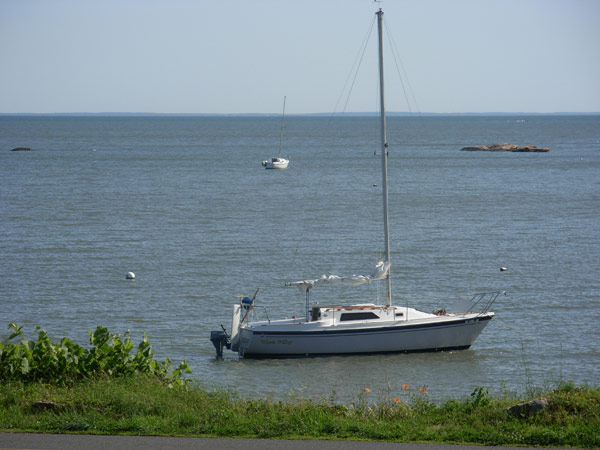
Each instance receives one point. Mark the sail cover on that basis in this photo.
(381, 271)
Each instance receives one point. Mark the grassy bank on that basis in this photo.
(112, 387)
(144, 405)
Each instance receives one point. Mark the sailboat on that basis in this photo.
(362, 328)
(278, 162)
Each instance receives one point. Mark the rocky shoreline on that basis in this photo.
(505, 148)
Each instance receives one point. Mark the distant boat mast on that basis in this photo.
(281, 131)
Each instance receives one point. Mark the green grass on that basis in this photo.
(113, 387)
(143, 405)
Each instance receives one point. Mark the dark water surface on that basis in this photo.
(184, 203)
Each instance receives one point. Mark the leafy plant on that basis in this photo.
(480, 397)
(66, 362)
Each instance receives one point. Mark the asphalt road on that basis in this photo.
(28, 441)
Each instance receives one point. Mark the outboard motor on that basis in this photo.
(220, 339)
(246, 302)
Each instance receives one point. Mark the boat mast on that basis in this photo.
(384, 163)
(281, 131)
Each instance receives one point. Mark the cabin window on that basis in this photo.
(399, 314)
(316, 314)
(358, 316)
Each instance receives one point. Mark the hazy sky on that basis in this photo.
(243, 56)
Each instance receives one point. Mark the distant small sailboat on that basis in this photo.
(278, 162)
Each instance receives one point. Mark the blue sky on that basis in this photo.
(240, 56)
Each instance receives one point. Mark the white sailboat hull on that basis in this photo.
(276, 163)
(288, 338)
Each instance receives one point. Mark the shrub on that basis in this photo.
(66, 362)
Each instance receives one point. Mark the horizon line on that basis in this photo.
(389, 113)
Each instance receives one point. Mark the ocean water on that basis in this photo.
(185, 204)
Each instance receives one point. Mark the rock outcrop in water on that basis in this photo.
(505, 148)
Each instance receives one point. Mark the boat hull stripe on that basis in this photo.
(317, 355)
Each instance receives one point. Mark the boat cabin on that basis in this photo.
(361, 312)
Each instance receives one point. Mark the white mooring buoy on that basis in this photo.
(130, 276)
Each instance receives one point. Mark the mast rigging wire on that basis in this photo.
(397, 59)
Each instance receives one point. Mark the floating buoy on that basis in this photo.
(130, 276)
(503, 269)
